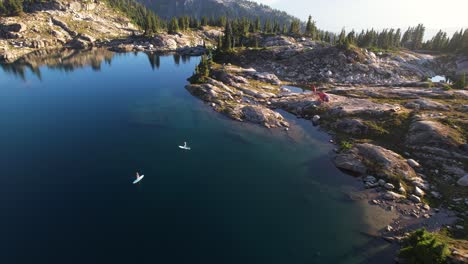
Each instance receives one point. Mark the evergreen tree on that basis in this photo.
(351, 37)
(342, 37)
(173, 26)
(13, 7)
(227, 41)
(258, 25)
(3, 10)
(397, 38)
(461, 82)
(267, 28)
(276, 27)
(204, 21)
(311, 29)
(285, 29)
(295, 28)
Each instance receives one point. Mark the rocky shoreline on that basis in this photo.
(78, 25)
(406, 139)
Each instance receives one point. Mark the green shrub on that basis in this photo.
(422, 247)
(447, 87)
(346, 145)
(461, 82)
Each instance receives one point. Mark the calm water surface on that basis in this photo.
(74, 133)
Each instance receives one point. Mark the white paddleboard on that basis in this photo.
(184, 147)
(139, 179)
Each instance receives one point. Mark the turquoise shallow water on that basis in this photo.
(73, 136)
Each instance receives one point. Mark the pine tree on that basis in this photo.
(3, 10)
(258, 25)
(461, 82)
(342, 37)
(276, 26)
(204, 21)
(285, 29)
(220, 43)
(173, 26)
(13, 7)
(227, 41)
(267, 28)
(295, 28)
(311, 29)
(397, 38)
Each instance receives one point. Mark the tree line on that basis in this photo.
(441, 42)
(16, 7)
(238, 31)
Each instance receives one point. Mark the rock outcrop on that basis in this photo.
(431, 137)
(239, 95)
(59, 23)
(375, 160)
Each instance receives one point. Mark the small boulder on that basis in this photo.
(418, 191)
(389, 186)
(381, 182)
(463, 181)
(415, 198)
(316, 119)
(402, 190)
(370, 178)
(413, 163)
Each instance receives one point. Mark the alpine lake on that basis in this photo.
(77, 125)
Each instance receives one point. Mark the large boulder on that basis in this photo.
(165, 42)
(262, 115)
(267, 77)
(78, 43)
(349, 162)
(375, 160)
(274, 41)
(431, 137)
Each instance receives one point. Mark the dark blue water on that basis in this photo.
(74, 133)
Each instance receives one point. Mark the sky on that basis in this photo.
(333, 15)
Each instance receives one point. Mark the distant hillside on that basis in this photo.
(216, 8)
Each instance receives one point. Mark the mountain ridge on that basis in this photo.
(216, 8)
